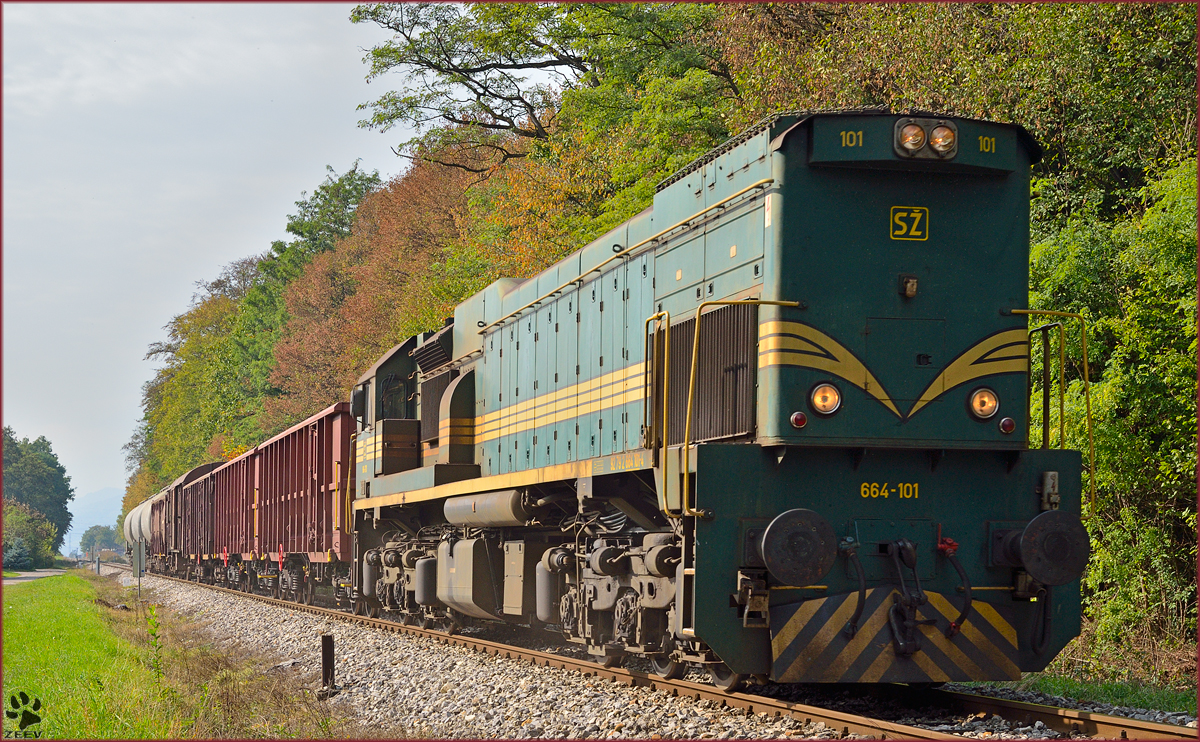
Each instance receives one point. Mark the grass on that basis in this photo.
(1133, 694)
(58, 648)
(104, 672)
(12, 574)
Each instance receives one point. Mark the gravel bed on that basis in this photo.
(417, 687)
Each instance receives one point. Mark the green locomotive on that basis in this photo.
(775, 425)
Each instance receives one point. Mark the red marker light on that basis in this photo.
(1007, 425)
(799, 419)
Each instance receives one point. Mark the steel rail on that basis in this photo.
(1066, 721)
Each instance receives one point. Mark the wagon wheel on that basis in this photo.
(359, 607)
(609, 660)
(310, 592)
(450, 627)
(667, 668)
(722, 677)
(372, 609)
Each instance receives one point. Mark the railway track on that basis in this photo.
(1066, 721)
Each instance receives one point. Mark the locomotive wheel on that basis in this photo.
(667, 668)
(722, 677)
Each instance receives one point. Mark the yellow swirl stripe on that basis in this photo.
(1006, 351)
(783, 343)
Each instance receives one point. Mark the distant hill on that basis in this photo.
(99, 508)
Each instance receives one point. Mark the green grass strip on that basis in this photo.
(91, 682)
(1132, 694)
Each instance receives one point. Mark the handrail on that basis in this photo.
(647, 410)
(1062, 362)
(1087, 395)
(687, 425)
(622, 253)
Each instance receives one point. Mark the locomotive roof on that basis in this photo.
(791, 118)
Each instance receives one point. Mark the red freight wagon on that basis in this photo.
(158, 525)
(302, 502)
(233, 509)
(197, 504)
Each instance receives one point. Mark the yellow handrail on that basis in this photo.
(687, 425)
(665, 319)
(1087, 395)
(622, 253)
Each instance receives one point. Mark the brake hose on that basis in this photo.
(849, 547)
(1041, 634)
(949, 548)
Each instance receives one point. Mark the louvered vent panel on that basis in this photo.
(723, 404)
(434, 352)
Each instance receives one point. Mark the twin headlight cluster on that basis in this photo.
(825, 399)
(926, 138)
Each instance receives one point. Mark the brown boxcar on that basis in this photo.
(304, 477)
(233, 507)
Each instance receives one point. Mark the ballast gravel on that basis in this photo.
(416, 687)
(413, 686)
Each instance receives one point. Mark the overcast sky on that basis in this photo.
(145, 146)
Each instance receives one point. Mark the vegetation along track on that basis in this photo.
(1063, 720)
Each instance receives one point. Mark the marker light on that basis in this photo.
(1008, 425)
(826, 399)
(942, 139)
(984, 403)
(912, 137)
(799, 419)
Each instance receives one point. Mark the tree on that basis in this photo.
(480, 79)
(97, 538)
(34, 476)
(28, 534)
(321, 220)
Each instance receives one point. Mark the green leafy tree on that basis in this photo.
(1135, 281)
(28, 535)
(482, 81)
(98, 537)
(34, 476)
(321, 220)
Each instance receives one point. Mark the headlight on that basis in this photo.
(912, 137)
(984, 403)
(825, 399)
(942, 139)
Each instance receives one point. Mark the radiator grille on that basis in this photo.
(723, 404)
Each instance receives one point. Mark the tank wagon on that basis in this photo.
(776, 425)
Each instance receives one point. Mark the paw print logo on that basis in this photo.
(24, 710)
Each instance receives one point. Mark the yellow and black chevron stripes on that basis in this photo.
(1003, 352)
(797, 344)
(619, 387)
(809, 644)
(783, 343)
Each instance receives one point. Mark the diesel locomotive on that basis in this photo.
(776, 425)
